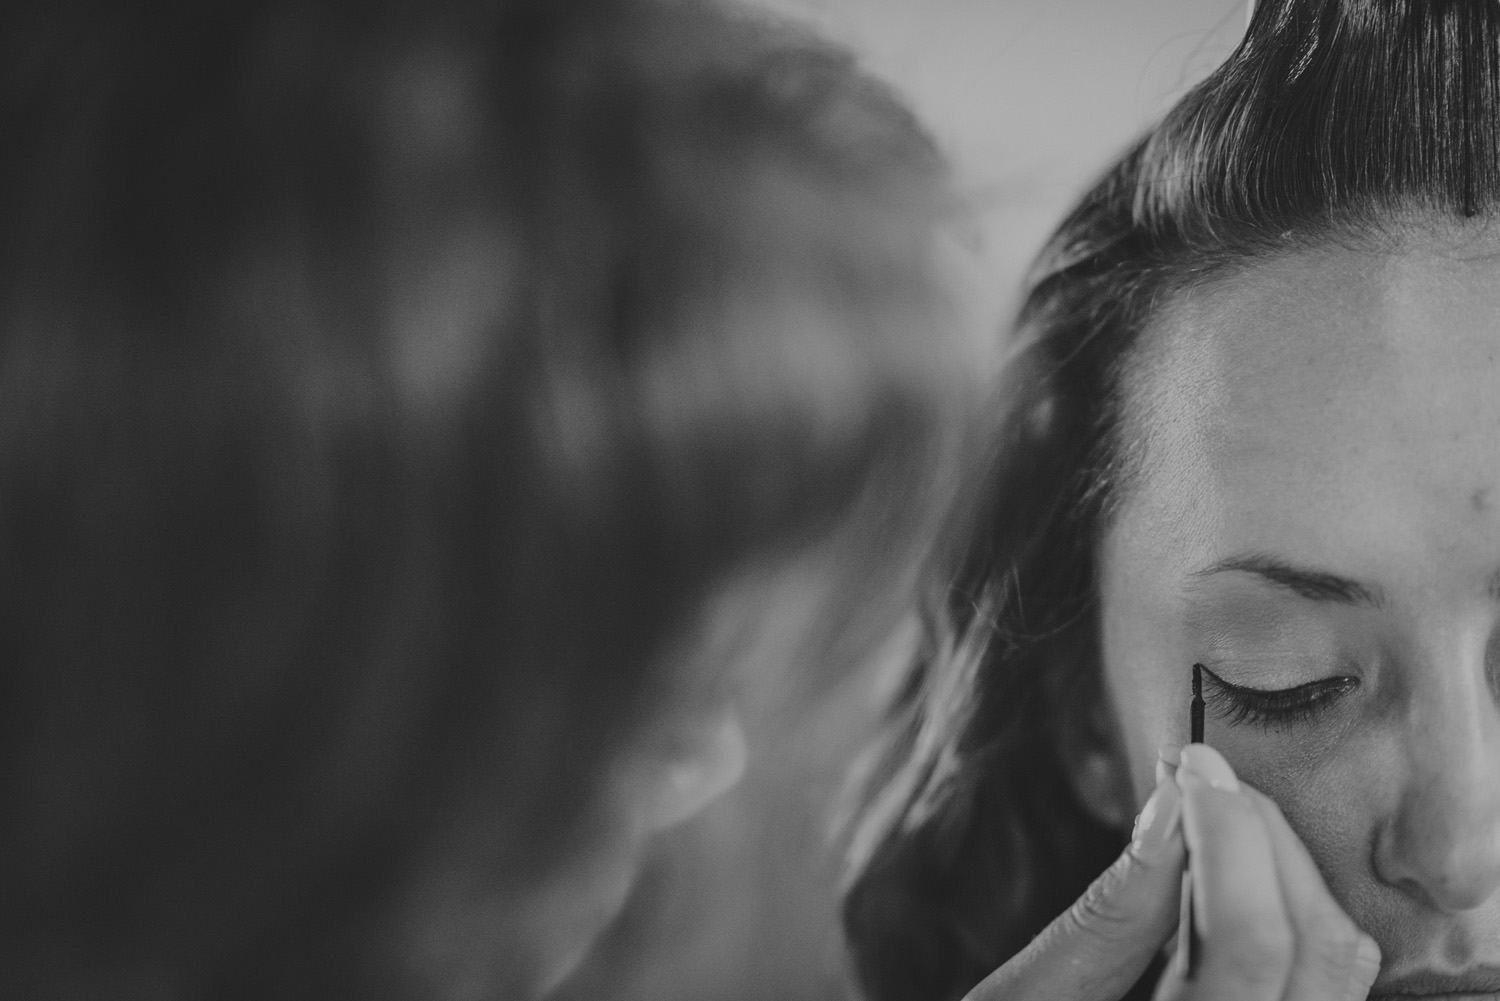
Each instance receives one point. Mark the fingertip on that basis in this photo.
(1168, 756)
(1362, 975)
(1366, 967)
(1208, 764)
(1190, 782)
(1213, 811)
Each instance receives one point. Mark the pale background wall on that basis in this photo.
(1030, 98)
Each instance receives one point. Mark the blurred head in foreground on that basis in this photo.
(1252, 422)
(412, 418)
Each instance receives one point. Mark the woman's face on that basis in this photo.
(1317, 520)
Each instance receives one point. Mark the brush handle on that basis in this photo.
(1195, 717)
(1187, 933)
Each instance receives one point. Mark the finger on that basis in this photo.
(1243, 927)
(1332, 956)
(1103, 943)
(1168, 757)
(1366, 969)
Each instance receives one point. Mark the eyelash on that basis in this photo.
(1281, 707)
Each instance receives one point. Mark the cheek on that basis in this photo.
(1326, 791)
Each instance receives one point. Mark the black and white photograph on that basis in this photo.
(750, 500)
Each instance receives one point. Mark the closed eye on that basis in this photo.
(1237, 704)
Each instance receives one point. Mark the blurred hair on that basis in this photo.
(381, 387)
(1333, 120)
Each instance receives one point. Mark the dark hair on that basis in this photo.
(1333, 119)
(381, 385)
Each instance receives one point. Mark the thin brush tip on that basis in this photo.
(1197, 681)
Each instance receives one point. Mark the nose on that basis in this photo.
(1443, 843)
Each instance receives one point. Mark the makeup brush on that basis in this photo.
(1195, 723)
(1187, 946)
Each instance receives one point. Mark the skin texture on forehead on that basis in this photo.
(1336, 407)
(1355, 339)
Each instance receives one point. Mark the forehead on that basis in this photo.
(1349, 376)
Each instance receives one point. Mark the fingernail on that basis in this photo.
(1209, 765)
(1158, 819)
(1167, 758)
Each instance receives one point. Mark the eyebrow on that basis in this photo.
(1305, 582)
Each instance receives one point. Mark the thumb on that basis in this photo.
(1102, 944)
